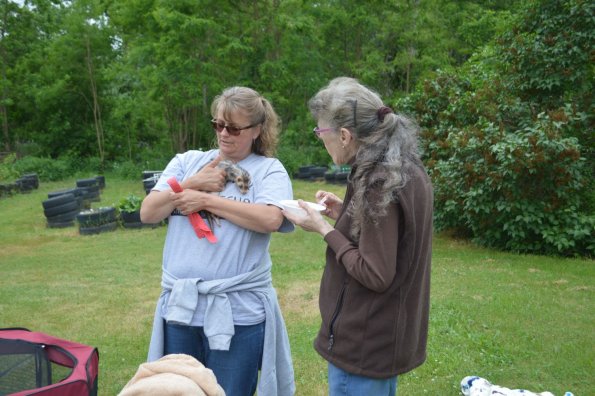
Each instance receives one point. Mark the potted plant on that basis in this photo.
(129, 209)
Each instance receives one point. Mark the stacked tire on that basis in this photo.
(28, 182)
(311, 172)
(100, 181)
(95, 221)
(60, 210)
(90, 190)
(150, 178)
(8, 189)
(336, 176)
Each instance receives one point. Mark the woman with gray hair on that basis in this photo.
(374, 293)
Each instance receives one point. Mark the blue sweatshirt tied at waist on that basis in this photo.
(276, 377)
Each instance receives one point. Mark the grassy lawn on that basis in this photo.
(519, 321)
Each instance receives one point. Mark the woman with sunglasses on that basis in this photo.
(374, 293)
(218, 303)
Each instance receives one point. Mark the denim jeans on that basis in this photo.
(236, 369)
(342, 383)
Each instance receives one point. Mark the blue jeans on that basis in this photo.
(342, 383)
(237, 369)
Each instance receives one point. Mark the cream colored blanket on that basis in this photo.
(173, 375)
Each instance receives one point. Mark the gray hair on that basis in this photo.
(388, 145)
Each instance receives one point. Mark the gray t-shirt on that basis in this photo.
(237, 250)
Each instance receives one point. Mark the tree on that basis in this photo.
(510, 160)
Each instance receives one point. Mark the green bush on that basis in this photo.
(127, 170)
(47, 169)
(518, 191)
(7, 172)
(508, 139)
(130, 203)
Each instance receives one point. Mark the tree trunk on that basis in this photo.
(96, 107)
(4, 61)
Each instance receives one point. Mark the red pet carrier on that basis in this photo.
(38, 364)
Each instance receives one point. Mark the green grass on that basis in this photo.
(519, 321)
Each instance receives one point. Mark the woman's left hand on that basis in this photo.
(189, 201)
(312, 221)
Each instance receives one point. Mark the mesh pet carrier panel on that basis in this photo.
(38, 364)
(23, 365)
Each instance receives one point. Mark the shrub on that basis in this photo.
(127, 170)
(7, 171)
(47, 169)
(131, 203)
(517, 191)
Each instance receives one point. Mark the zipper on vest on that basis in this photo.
(331, 340)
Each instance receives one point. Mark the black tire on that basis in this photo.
(61, 209)
(149, 184)
(151, 175)
(25, 185)
(74, 191)
(68, 216)
(318, 172)
(133, 225)
(87, 182)
(96, 217)
(58, 200)
(90, 193)
(100, 181)
(94, 197)
(341, 177)
(130, 217)
(61, 224)
(32, 179)
(98, 229)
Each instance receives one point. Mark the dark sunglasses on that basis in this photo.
(232, 130)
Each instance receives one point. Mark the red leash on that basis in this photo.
(201, 228)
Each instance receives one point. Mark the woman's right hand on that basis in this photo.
(209, 178)
(333, 204)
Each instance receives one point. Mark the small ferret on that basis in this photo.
(234, 174)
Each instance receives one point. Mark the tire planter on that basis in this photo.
(131, 219)
(95, 221)
(94, 217)
(98, 229)
(61, 224)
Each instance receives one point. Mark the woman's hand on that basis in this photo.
(333, 204)
(312, 221)
(208, 178)
(189, 201)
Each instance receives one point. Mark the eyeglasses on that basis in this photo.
(232, 130)
(318, 131)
